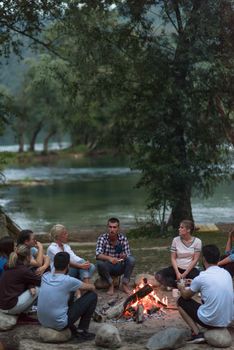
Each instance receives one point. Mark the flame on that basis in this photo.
(150, 303)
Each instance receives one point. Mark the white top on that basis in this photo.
(185, 253)
(54, 248)
(215, 285)
(53, 299)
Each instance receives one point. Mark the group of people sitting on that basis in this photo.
(60, 281)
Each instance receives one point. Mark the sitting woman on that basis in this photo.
(185, 253)
(18, 284)
(227, 261)
(6, 248)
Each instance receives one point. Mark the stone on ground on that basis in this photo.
(218, 337)
(108, 336)
(7, 321)
(49, 335)
(170, 338)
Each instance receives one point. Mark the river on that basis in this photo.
(84, 194)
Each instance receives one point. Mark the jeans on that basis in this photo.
(80, 273)
(106, 269)
(25, 301)
(82, 308)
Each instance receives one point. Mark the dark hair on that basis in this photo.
(211, 253)
(113, 221)
(6, 246)
(61, 260)
(23, 236)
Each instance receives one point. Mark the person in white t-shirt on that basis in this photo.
(78, 267)
(216, 288)
(185, 252)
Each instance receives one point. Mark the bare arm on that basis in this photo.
(193, 263)
(87, 286)
(83, 266)
(105, 257)
(38, 261)
(229, 243)
(174, 265)
(224, 261)
(46, 264)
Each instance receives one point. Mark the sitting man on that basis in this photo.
(215, 285)
(53, 308)
(78, 268)
(38, 259)
(113, 256)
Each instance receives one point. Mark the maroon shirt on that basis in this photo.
(14, 282)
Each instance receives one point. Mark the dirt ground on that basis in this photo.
(134, 336)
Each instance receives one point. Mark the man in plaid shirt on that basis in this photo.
(114, 257)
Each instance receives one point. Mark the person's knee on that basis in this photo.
(131, 260)
(101, 265)
(92, 269)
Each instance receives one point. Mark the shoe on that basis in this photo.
(85, 335)
(196, 339)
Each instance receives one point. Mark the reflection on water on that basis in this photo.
(85, 196)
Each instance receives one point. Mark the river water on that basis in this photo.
(84, 194)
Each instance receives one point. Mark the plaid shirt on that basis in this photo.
(104, 246)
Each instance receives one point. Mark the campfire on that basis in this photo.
(142, 303)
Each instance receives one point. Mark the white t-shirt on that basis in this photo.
(54, 248)
(53, 299)
(215, 285)
(185, 253)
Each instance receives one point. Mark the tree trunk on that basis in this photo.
(21, 142)
(182, 209)
(34, 136)
(46, 140)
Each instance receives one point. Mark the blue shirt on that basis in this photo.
(3, 261)
(53, 299)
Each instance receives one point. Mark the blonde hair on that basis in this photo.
(55, 231)
(20, 254)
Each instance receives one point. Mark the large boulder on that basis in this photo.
(170, 338)
(108, 336)
(139, 279)
(218, 337)
(49, 335)
(7, 321)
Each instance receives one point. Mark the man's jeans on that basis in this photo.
(106, 269)
(82, 308)
(80, 273)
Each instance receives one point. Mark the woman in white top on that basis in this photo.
(185, 252)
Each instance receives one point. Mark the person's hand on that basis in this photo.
(85, 265)
(183, 276)
(40, 270)
(178, 276)
(38, 245)
(180, 284)
(32, 291)
(113, 260)
(122, 256)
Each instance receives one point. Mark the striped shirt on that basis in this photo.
(104, 246)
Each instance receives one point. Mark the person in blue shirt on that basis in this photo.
(227, 261)
(6, 248)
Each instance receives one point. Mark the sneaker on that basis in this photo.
(85, 335)
(196, 339)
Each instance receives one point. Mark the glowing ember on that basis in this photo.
(150, 304)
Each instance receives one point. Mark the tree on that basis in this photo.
(162, 80)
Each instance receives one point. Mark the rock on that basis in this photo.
(49, 335)
(108, 337)
(7, 321)
(150, 279)
(102, 284)
(28, 344)
(218, 337)
(170, 338)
